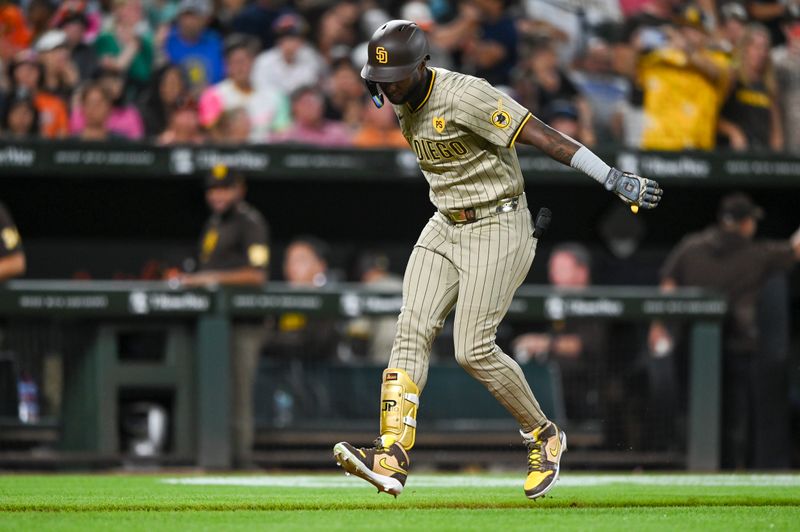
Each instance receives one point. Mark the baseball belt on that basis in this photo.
(473, 214)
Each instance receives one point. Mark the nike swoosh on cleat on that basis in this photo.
(384, 465)
(554, 450)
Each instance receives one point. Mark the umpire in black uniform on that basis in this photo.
(234, 250)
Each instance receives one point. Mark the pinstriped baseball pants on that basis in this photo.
(477, 268)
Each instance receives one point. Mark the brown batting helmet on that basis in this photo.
(394, 51)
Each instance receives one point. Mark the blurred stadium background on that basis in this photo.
(114, 113)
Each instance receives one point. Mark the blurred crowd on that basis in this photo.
(651, 74)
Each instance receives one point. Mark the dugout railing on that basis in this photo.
(94, 347)
(71, 158)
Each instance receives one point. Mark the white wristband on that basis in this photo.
(590, 164)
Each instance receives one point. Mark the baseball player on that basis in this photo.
(473, 253)
(234, 250)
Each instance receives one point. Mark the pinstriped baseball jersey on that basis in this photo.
(463, 133)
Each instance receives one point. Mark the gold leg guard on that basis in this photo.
(399, 405)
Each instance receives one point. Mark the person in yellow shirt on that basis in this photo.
(685, 82)
(751, 116)
(14, 32)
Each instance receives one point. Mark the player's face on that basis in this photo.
(220, 199)
(749, 226)
(399, 92)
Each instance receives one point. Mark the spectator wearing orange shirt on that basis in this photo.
(14, 32)
(25, 74)
(379, 129)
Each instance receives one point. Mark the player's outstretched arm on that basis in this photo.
(634, 190)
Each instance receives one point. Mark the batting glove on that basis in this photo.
(633, 189)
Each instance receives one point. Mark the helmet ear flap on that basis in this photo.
(377, 97)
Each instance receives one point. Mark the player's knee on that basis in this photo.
(409, 336)
(465, 361)
(412, 329)
(473, 357)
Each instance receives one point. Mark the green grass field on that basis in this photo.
(430, 503)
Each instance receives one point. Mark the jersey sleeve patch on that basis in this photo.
(258, 255)
(489, 113)
(10, 237)
(501, 119)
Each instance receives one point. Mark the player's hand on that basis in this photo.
(634, 190)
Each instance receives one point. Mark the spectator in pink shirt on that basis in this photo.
(267, 108)
(124, 119)
(97, 102)
(310, 125)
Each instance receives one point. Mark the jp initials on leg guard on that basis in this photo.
(399, 405)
